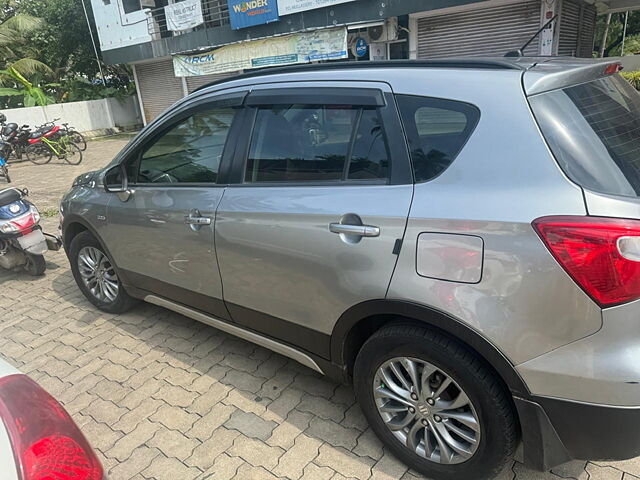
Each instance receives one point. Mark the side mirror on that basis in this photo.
(115, 179)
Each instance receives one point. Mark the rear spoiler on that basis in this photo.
(563, 72)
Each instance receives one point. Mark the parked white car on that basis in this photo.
(38, 438)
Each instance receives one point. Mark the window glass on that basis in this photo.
(437, 130)
(294, 143)
(369, 158)
(593, 130)
(190, 151)
(131, 5)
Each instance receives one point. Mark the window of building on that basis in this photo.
(131, 6)
(189, 152)
(311, 143)
(437, 130)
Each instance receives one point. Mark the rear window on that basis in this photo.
(437, 130)
(593, 130)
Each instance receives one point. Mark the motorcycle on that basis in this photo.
(22, 241)
(18, 137)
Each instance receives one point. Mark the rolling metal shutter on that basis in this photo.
(489, 31)
(193, 83)
(587, 33)
(577, 29)
(159, 87)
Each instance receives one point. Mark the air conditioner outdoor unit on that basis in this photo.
(384, 33)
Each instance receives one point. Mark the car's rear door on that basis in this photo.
(316, 210)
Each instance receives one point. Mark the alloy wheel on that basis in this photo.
(97, 274)
(426, 410)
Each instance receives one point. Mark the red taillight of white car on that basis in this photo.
(601, 254)
(47, 444)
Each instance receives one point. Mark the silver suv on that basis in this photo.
(459, 238)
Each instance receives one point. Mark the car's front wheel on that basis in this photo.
(436, 405)
(96, 276)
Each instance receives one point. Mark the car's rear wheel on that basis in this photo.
(96, 276)
(435, 404)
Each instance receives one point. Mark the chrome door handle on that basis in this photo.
(195, 220)
(359, 230)
(191, 220)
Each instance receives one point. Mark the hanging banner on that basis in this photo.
(287, 7)
(184, 15)
(244, 13)
(302, 47)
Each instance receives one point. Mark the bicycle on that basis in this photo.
(75, 136)
(45, 144)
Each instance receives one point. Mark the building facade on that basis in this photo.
(177, 46)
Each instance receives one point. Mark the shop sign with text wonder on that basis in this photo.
(252, 12)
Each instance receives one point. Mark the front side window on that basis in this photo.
(437, 130)
(189, 152)
(317, 143)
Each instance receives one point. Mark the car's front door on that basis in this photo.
(316, 210)
(161, 234)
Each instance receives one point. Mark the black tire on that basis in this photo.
(35, 265)
(73, 155)
(123, 302)
(5, 173)
(498, 424)
(38, 153)
(78, 139)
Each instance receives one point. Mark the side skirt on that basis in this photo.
(253, 337)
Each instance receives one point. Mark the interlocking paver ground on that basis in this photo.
(162, 396)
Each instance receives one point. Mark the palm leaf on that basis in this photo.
(12, 31)
(29, 66)
(22, 23)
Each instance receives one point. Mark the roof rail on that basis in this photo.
(471, 63)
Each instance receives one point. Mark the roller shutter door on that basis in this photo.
(491, 31)
(159, 87)
(193, 83)
(577, 29)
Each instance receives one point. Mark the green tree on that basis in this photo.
(63, 41)
(616, 29)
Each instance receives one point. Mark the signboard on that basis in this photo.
(253, 12)
(301, 47)
(360, 48)
(287, 7)
(184, 15)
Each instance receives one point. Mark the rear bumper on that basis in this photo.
(555, 431)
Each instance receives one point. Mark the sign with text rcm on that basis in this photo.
(248, 13)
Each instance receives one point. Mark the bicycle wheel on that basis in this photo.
(73, 154)
(38, 153)
(78, 139)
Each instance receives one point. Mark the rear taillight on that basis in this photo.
(601, 254)
(613, 68)
(47, 444)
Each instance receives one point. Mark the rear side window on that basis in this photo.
(593, 130)
(317, 143)
(437, 130)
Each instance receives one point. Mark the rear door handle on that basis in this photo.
(358, 230)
